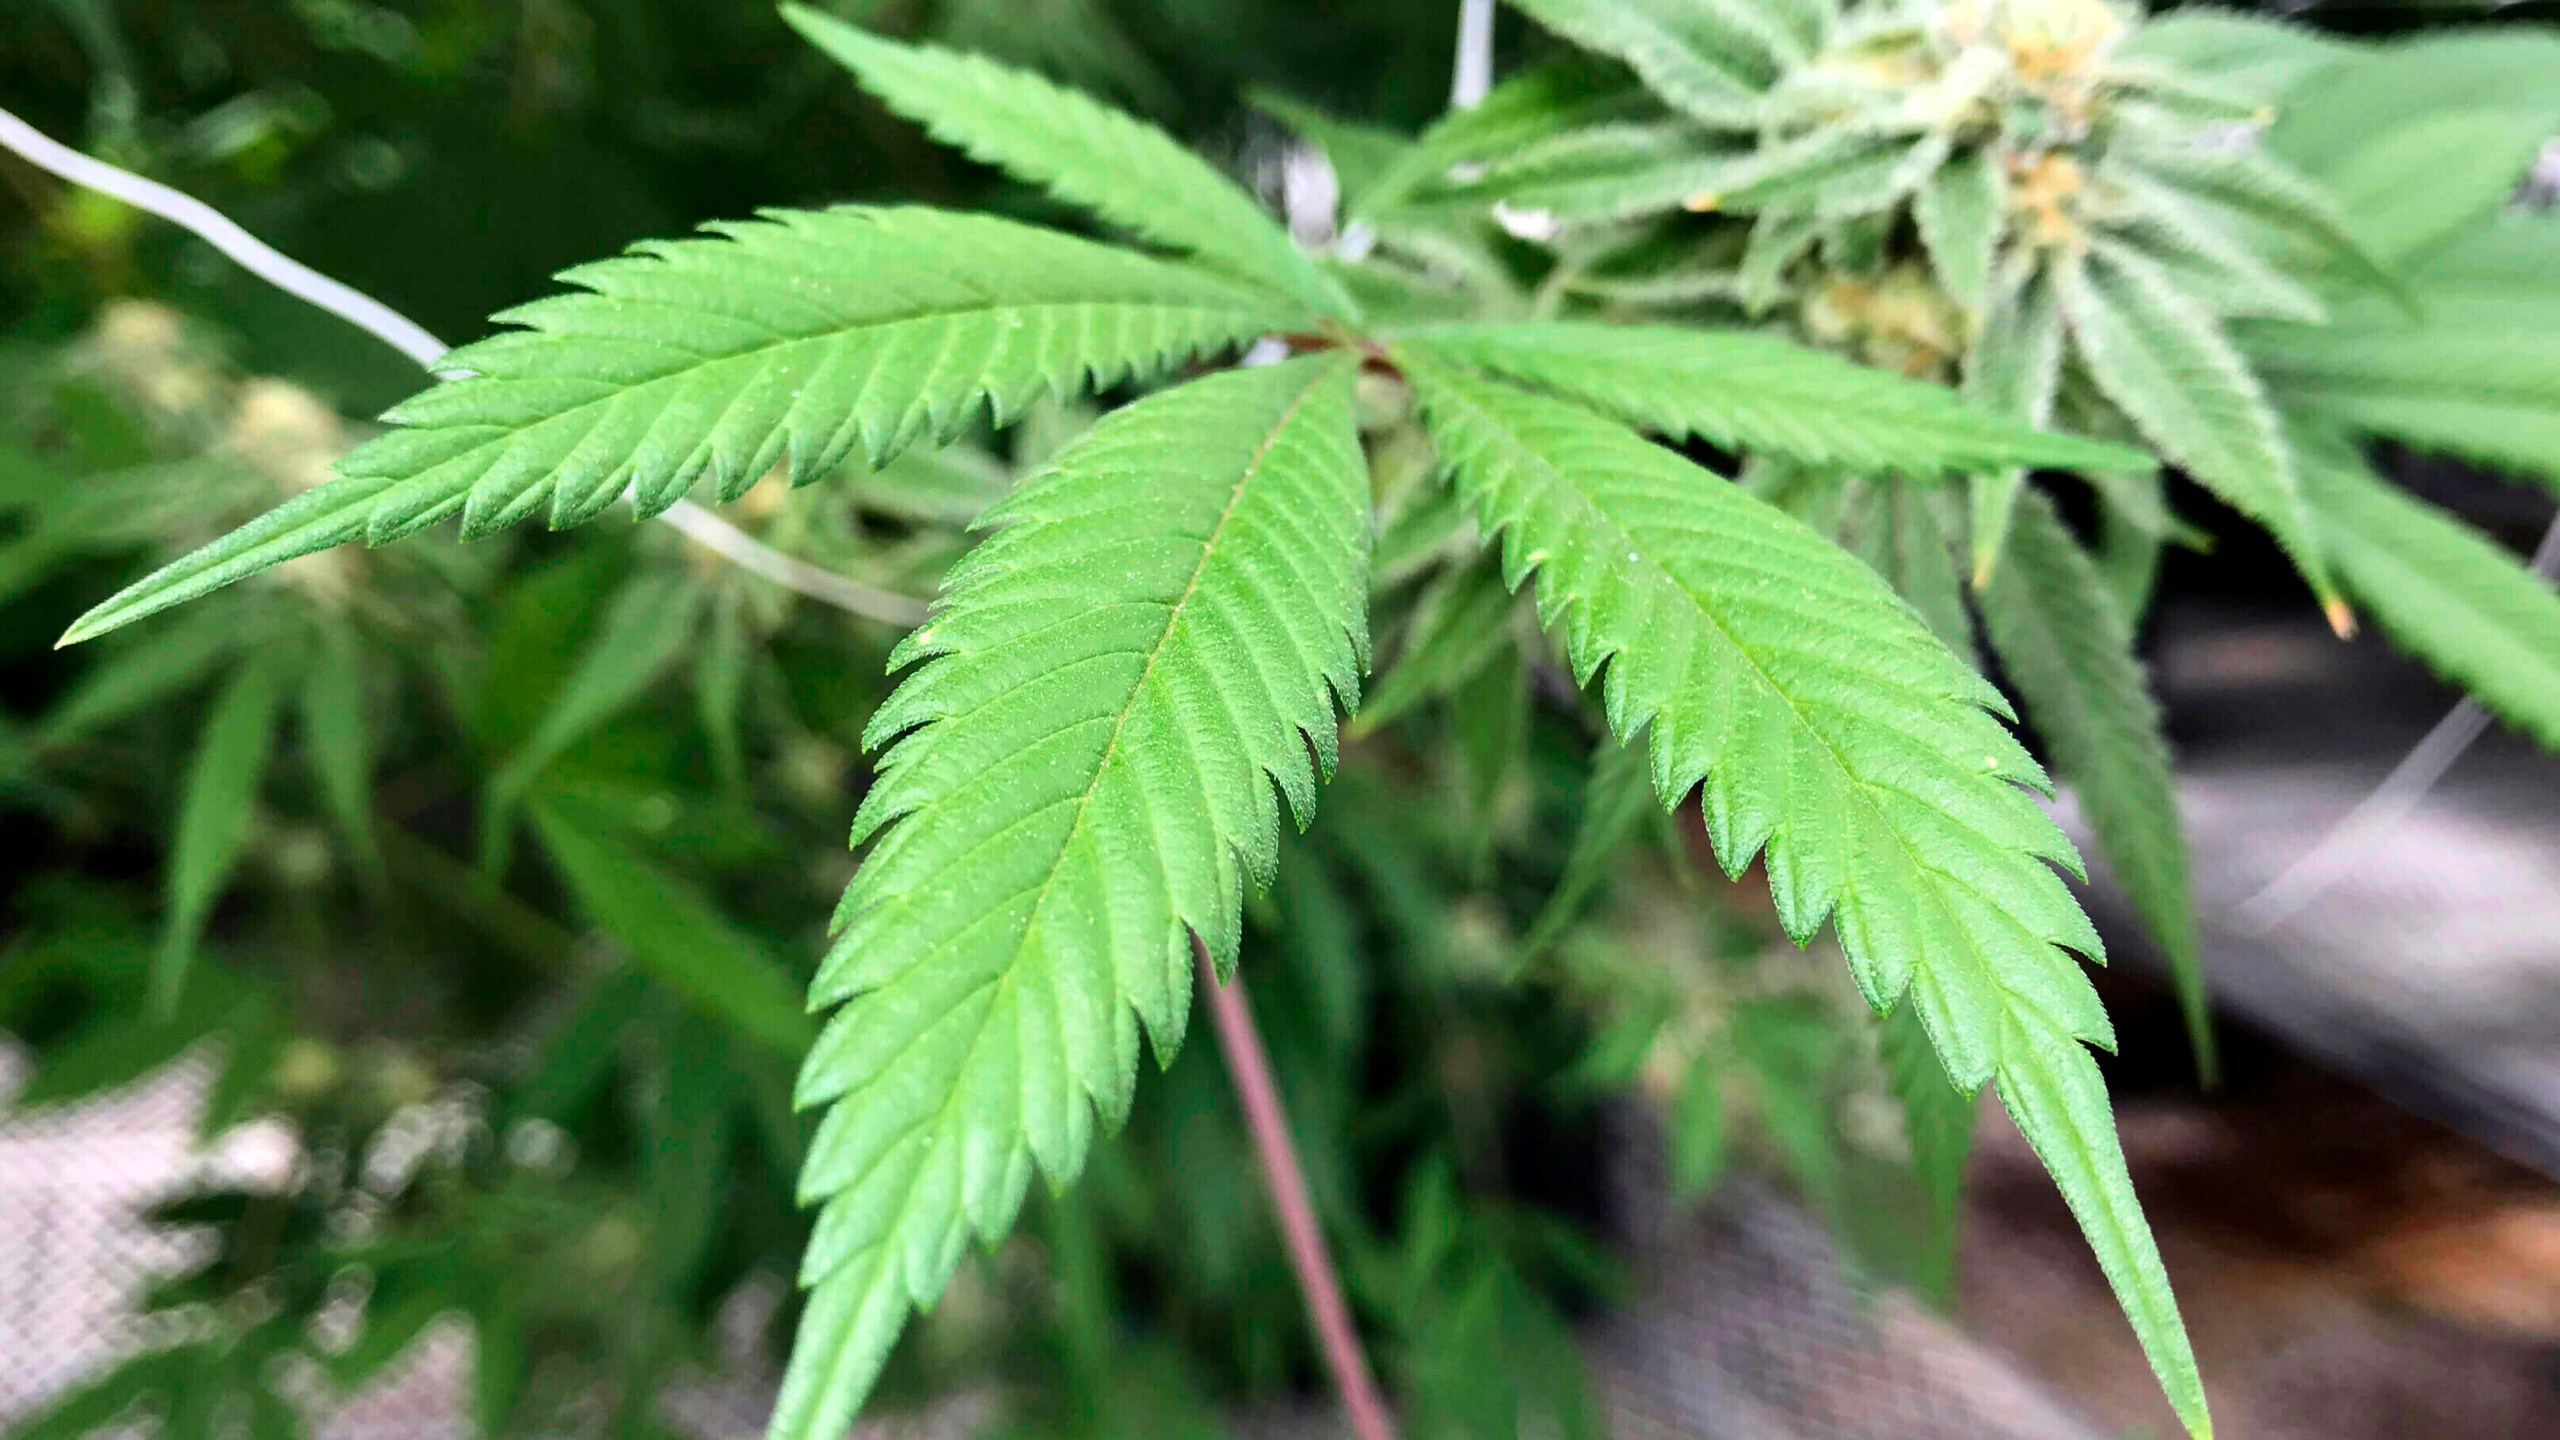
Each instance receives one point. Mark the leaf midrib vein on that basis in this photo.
(1856, 786)
(1209, 547)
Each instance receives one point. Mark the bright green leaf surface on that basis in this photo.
(790, 339)
(1079, 783)
(1839, 741)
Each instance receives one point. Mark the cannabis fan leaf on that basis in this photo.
(1747, 392)
(1121, 168)
(2479, 376)
(1840, 741)
(1142, 661)
(793, 339)
(1155, 633)
(2069, 654)
(2162, 360)
(1687, 50)
(2442, 589)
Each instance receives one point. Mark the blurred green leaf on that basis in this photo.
(145, 673)
(1617, 803)
(670, 930)
(643, 634)
(1697, 1125)
(1937, 1122)
(338, 716)
(213, 818)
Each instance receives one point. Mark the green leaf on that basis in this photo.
(1778, 240)
(1696, 1123)
(1791, 1049)
(576, 1053)
(119, 1036)
(1489, 724)
(2478, 377)
(1121, 168)
(2165, 362)
(1752, 392)
(1834, 172)
(2013, 369)
(1759, 653)
(1080, 784)
(254, 1039)
(1689, 52)
(1459, 625)
(1524, 111)
(2247, 181)
(2424, 140)
(2127, 554)
(1320, 938)
(1855, 244)
(2053, 1091)
(2068, 652)
(686, 1137)
(645, 632)
(26, 481)
(337, 737)
(791, 338)
(274, 1417)
(934, 487)
(1604, 173)
(2251, 54)
(213, 818)
(1616, 805)
(2210, 260)
(672, 931)
(1897, 529)
(501, 1356)
(1961, 213)
(2151, 92)
(406, 1300)
(2454, 597)
(1663, 273)
(1838, 740)
(1937, 1122)
(145, 674)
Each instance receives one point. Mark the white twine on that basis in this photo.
(413, 340)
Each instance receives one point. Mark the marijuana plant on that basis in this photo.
(2075, 217)
(1160, 627)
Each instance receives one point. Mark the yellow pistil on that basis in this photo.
(2044, 191)
(2055, 39)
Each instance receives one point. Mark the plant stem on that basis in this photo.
(1250, 1069)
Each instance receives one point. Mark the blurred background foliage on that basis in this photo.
(495, 870)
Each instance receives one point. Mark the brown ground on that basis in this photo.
(2348, 1271)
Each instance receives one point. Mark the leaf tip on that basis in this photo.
(100, 620)
(2342, 620)
(828, 32)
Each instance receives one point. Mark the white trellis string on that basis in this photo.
(414, 341)
(1471, 75)
(2336, 853)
